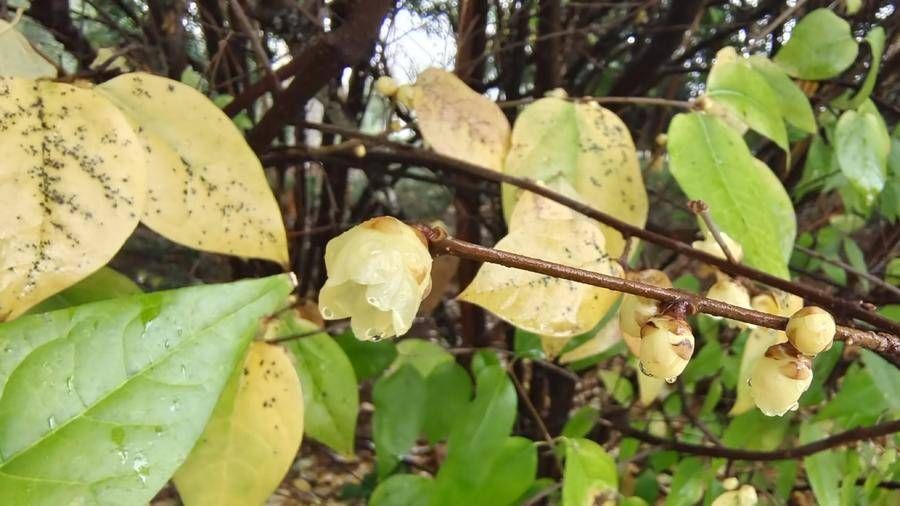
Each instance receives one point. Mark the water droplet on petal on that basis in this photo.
(371, 301)
(373, 334)
(794, 407)
(671, 380)
(327, 313)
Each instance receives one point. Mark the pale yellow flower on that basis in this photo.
(378, 274)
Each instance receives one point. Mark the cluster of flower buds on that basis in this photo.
(745, 495)
(663, 343)
(378, 274)
(781, 376)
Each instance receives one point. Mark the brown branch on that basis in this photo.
(875, 280)
(701, 209)
(402, 153)
(887, 345)
(797, 452)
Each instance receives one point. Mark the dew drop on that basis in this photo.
(123, 455)
(70, 384)
(141, 467)
(174, 406)
(373, 334)
(167, 344)
(671, 380)
(51, 422)
(327, 313)
(183, 371)
(371, 301)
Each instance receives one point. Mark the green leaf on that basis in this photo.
(482, 359)
(823, 469)
(449, 390)
(403, 490)
(581, 422)
(858, 402)
(399, 398)
(876, 40)
(885, 376)
(513, 473)
(423, 355)
(369, 358)
(756, 431)
(733, 83)
(707, 362)
(793, 103)
(821, 46)
(786, 471)
(861, 145)
(330, 392)
(711, 162)
(104, 284)
(688, 482)
(101, 403)
(589, 472)
(820, 165)
(528, 345)
(857, 259)
(621, 389)
(477, 440)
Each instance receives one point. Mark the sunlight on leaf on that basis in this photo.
(207, 189)
(458, 122)
(252, 436)
(101, 403)
(19, 58)
(588, 147)
(74, 175)
(535, 302)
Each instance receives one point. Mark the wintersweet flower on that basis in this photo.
(378, 273)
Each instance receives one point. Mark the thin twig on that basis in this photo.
(797, 452)
(262, 59)
(888, 345)
(875, 280)
(397, 152)
(701, 209)
(537, 419)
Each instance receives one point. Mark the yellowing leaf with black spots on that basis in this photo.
(73, 179)
(207, 188)
(19, 58)
(252, 437)
(543, 304)
(458, 122)
(587, 146)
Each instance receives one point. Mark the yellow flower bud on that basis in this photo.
(386, 86)
(811, 330)
(779, 378)
(744, 496)
(635, 310)
(729, 291)
(709, 245)
(667, 344)
(378, 274)
(730, 483)
(777, 303)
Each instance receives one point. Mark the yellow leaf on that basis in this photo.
(587, 146)
(543, 304)
(649, 388)
(604, 339)
(459, 122)
(207, 188)
(19, 58)
(73, 178)
(252, 436)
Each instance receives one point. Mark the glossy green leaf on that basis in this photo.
(711, 162)
(858, 402)
(477, 440)
(399, 398)
(885, 376)
(756, 431)
(101, 285)
(821, 46)
(862, 144)
(449, 390)
(793, 103)
(369, 358)
(876, 40)
(590, 472)
(733, 83)
(688, 482)
(823, 469)
(330, 392)
(403, 490)
(101, 403)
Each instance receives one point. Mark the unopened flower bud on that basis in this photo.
(744, 496)
(779, 378)
(709, 245)
(635, 310)
(811, 330)
(667, 344)
(378, 274)
(386, 86)
(729, 291)
(730, 483)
